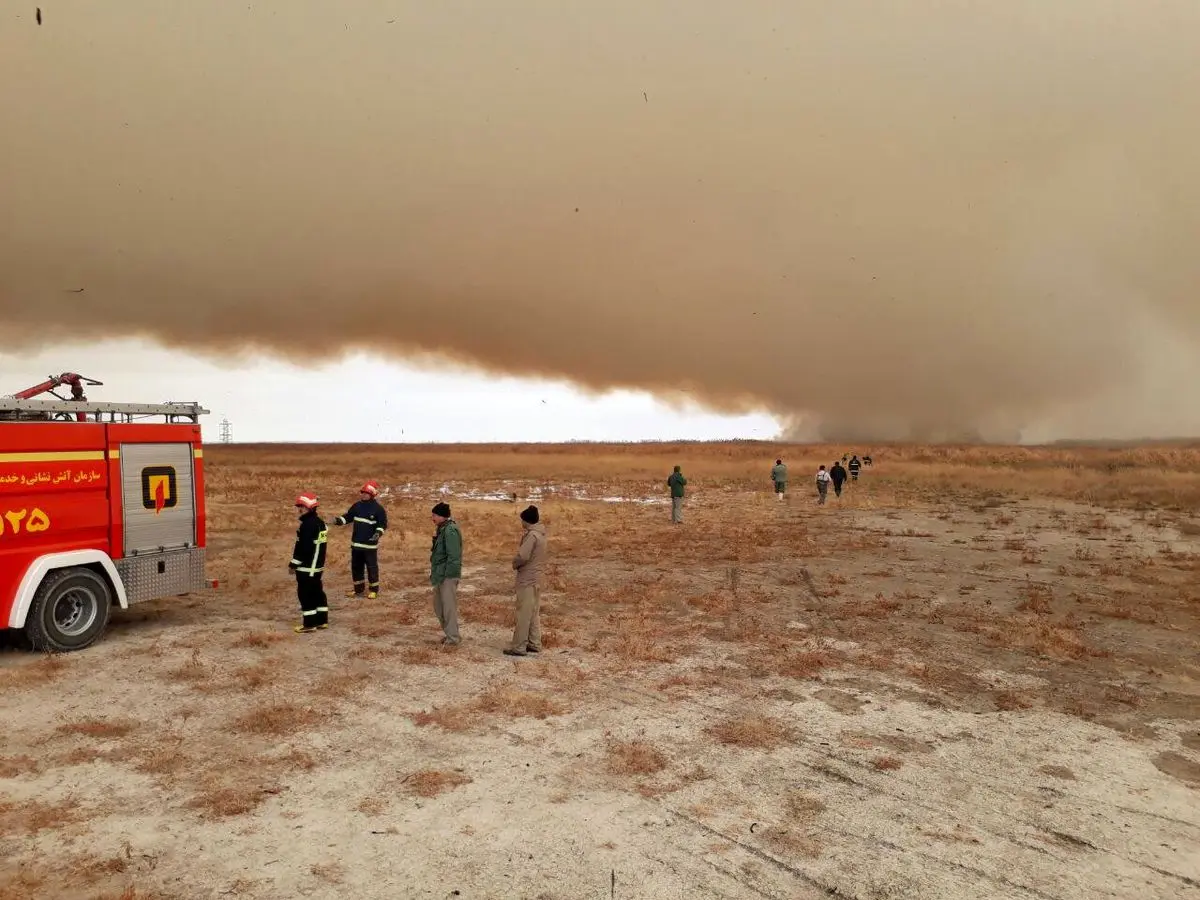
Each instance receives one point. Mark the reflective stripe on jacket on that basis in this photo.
(370, 522)
(308, 556)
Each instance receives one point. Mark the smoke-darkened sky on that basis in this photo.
(889, 218)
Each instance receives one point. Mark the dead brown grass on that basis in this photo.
(277, 719)
(1036, 598)
(32, 816)
(641, 605)
(371, 628)
(253, 678)
(498, 701)
(194, 670)
(220, 802)
(332, 873)
(790, 844)
(430, 782)
(803, 806)
(342, 685)
(751, 732)
(31, 674)
(634, 758)
(97, 729)
(372, 806)
(133, 892)
(260, 640)
(17, 766)
(509, 701)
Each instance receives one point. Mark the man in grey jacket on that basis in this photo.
(531, 555)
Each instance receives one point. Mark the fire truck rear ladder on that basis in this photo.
(100, 411)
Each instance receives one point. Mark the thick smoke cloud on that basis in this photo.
(931, 219)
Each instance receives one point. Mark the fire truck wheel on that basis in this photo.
(69, 611)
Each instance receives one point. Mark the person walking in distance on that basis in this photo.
(531, 554)
(445, 570)
(823, 480)
(854, 466)
(370, 522)
(837, 474)
(308, 564)
(779, 479)
(676, 482)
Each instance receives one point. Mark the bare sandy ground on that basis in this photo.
(967, 697)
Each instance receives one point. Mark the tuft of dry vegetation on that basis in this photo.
(32, 816)
(789, 844)
(430, 782)
(18, 766)
(634, 758)
(333, 873)
(97, 729)
(277, 719)
(751, 732)
(260, 640)
(31, 674)
(803, 806)
(224, 802)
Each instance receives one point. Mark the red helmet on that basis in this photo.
(308, 501)
(370, 488)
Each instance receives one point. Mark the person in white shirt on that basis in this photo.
(823, 480)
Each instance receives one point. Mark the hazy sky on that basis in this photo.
(930, 218)
(365, 398)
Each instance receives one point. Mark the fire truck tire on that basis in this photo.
(69, 611)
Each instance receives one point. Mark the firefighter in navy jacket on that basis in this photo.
(308, 562)
(370, 522)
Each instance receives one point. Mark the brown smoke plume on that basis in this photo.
(930, 219)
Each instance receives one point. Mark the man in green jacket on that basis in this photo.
(779, 479)
(676, 482)
(445, 569)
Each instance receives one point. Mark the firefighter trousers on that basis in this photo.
(314, 607)
(366, 562)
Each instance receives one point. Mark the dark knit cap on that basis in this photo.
(443, 510)
(530, 515)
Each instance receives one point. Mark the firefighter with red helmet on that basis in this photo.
(308, 564)
(370, 522)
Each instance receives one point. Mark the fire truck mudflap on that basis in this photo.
(96, 514)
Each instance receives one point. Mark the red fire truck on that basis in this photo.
(101, 504)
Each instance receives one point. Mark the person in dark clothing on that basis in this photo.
(837, 475)
(308, 564)
(854, 466)
(866, 460)
(370, 522)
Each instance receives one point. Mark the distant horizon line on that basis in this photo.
(1102, 443)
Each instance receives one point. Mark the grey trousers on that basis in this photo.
(822, 490)
(445, 607)
(676, 509)
(528, 633)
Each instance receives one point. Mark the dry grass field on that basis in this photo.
(974, 675)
